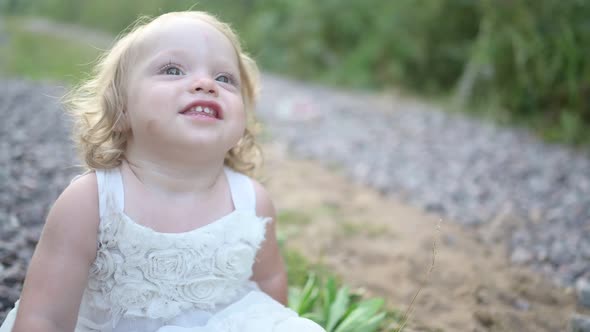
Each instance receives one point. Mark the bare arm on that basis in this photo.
(269, 269)
(58, 272)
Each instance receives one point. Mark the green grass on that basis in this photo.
(351, 228)
(43, 57)
(298, 267)
(293, 217)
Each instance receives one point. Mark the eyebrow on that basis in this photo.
(183, 54)
(157, 58)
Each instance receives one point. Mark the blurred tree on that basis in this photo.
(530, 58)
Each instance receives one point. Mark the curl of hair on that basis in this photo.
(97, 105)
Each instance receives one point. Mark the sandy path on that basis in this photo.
(386, 247)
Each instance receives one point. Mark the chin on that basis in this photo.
(210, 143)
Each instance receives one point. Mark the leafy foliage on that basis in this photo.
(40, 56)
(336, 308)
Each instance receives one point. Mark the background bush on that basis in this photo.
(529, 58)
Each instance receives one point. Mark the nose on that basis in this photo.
(204, 85)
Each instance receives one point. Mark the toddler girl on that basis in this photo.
(165, 233)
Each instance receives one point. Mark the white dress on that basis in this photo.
(198, 281)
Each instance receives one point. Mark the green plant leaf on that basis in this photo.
(328, 297)
(372, 305)
(294, 298)
(360, 315)
(309, 295)
(315, 316)
(373, 324)
(338, 308)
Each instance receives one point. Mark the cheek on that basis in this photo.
(243, 119)
(149, 121)
(151, 93)
(154, 99)
(151, 127)
(239, 106)
(147, 104)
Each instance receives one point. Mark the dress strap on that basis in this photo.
(242, 190)
(111, 196)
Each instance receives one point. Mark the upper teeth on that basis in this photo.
(202, 109)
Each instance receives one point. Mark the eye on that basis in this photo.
(224, 78)
(173, 70)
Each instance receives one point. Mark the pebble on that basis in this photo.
(520, 256)
(521, 304)
(579, 323)
(583, 292)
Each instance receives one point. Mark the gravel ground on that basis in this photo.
(34, 159)
(465, 170)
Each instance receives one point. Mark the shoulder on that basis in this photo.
(74, 214)
(81, 194)
(264, 204)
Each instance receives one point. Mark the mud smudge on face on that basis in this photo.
(152, 127)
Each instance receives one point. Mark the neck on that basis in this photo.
(179, 177)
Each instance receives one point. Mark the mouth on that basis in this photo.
(204, 108)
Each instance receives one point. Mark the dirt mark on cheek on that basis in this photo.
(152, 127)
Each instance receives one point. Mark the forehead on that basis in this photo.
(183, 33)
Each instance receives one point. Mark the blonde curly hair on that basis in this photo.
(97, 104)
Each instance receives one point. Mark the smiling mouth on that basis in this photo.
(200, 110)
(203, 108)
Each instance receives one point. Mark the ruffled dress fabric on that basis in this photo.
(198, 281)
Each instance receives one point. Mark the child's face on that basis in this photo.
(184, 90)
